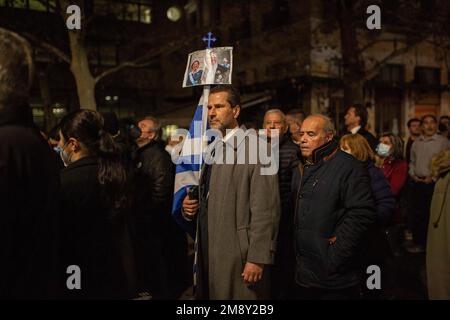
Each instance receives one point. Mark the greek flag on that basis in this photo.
(189, 163)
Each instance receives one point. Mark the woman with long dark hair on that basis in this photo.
(94, 201)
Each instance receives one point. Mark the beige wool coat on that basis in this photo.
(243, 217)
(438, 242)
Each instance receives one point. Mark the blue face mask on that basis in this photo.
(65, 157)
(57, 149)
(383, 150)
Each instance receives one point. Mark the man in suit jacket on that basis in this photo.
(356, 120)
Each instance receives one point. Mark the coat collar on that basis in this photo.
(325, 152)
(238, 135)
(86, 161)
(149, 145)
(16, 115)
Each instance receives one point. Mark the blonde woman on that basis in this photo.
(380, 244)
(357, 146)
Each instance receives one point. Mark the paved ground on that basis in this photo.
(408, 281)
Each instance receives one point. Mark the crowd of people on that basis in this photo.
(97, 194)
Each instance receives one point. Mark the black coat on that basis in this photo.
(382, 194)
(92, 237)
(333, 199)
(289, 157)
(161, 245)
(283, 269)
(373, 142)
(29, 186)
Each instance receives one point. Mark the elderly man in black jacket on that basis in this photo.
(333, 210)
(289, 157)
(29, 183)
(161, 246)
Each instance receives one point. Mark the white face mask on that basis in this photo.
(64, 156)
(383, 150)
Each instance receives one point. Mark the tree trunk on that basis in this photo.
(80, 69)
(353, 67)
(49, 118)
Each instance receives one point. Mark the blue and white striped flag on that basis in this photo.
(190, 162)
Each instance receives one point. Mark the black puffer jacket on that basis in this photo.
(283, 270)
(334, 208)
(289, 157)
(161, 246)
(382, 194)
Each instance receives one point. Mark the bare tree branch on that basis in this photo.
(46, 3)
(373, 71)
(372, 43)
(145, 60)
(48, 47)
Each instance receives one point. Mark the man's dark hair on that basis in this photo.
(361, 112)
(111, 123)
(432, 116)
(54, 133)
(16, 69)
(410, 121)
(297, 114)
(234, 98)
(444, 117)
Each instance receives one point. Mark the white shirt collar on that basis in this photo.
(230, 134)
(355, 129)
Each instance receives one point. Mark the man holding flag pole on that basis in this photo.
(235, 215)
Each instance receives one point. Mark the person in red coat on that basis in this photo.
(395, 168)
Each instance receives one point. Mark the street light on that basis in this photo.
(174, 13)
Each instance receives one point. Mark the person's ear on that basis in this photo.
(236, 111)
(329, 137)
(74, 145)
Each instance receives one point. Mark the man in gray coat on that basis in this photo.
(237, 215)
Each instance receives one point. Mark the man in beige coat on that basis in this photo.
(237, 217)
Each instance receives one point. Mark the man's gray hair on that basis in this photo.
(328, 123)
(154, 120)
(157, 128)
(270, 111)
(16, 69)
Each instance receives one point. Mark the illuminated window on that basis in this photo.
(146, 14)
(169, 130)
(131, 12)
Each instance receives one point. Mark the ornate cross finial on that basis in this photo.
(209, 39)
